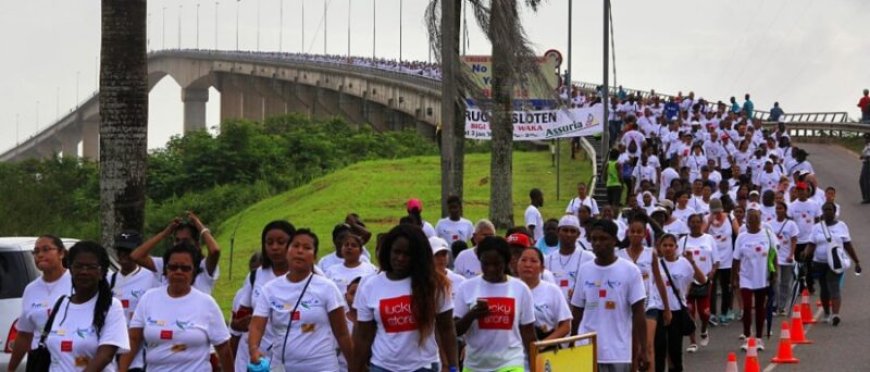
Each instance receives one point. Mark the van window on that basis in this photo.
(16, 271)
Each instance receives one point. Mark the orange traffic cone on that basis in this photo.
(732, 363)
(797, 327)
(806, 312)
(785, 355)
(751, 364)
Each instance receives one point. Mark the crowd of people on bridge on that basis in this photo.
(710, 218)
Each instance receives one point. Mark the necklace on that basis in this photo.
(565, 263)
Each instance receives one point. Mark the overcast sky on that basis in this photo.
(809, 55)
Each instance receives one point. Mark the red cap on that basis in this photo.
(519, 239)
(415, 204)
(802, 186)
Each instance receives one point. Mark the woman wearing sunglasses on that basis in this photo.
(176, 324)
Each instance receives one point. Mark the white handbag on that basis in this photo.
(838, 260)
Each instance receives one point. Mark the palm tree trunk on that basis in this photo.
(123, 117)
(452, 105)
(501, 164)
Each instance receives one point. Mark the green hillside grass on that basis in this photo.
(378, 190)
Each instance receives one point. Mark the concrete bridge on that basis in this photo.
(256, 86)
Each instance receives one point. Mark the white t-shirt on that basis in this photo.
(683, 274)
(342, 275)
(36, 303)
(533, 218)
(467, 264)
(723, 235)
(698, 204)
(606, 294)
(243, 356)
(752, 251)
(819, 237)
(566, 268)
(551, 307)
(804, 214)
(129, 289)
(574, 205)
(203, 282)
(179, 332)
(494, 340)
(452, 231)
(388, 303)
(455, 281)
(768, 214)
(668, 175)
(311, 343)
(73, 340)
(428, 229)
(332, 259)
(683, 214)
(784, 230)
(704, 251)
(678, 227)
(643, 263)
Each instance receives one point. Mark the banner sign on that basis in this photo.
(481, 73)
(539, 125)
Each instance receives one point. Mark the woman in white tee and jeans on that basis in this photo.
(400, 309)
(89, 327)
(40, 295)
(751, 272)
(825, 233)
(177, 324)
(305, 312)
(495, 313)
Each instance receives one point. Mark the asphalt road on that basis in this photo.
(844, 348)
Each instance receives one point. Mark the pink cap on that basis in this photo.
(415, 204)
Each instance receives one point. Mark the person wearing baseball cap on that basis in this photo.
(517, 242)
(415, 211)
(609, 294)
(565, 263)
(441, 253)
(131, 280)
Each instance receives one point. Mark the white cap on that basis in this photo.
(569, 220)
(438, 245)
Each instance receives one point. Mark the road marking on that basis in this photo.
(772, 366)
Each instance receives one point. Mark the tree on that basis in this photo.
(123, 117)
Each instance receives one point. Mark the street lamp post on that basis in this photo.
(280, 25)
(163, 26)
(179, 25)
(325, 28)
(258, 25)
(237, 24)
(216, 24)
(302, 16)
(348, 29)
(197, 26)
(374, 28)
(401, 5)
(605, 91)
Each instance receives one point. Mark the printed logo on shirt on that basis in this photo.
(183, 325)
(309, 303)
(125, 303)
(66, 346)
(501, 313)
(165, 334)
(82, 361)
(137, 293)
(610, 305)
(177, 348)
(296, 315)
(563, 283)
(396, 314)
(307, 327)
(155, 322)
(85, 332)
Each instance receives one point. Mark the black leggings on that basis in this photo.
(614, 195)
(723, 278)
(668, 345)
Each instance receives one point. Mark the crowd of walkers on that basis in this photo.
(710, 218)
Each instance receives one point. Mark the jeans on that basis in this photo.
(783, 292)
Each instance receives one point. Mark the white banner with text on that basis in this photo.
(539, 125)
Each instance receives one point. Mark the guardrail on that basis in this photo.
(821, 129)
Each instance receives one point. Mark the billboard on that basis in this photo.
(481, 71)
(539, 125)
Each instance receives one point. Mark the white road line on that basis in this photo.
(772, 366)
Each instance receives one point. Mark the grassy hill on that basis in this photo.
(378, 190)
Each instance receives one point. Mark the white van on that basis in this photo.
(17, 269)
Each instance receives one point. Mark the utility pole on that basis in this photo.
(197, 26)
(216, 24)
(570, 87)
(374, 27)
(605, 94)
(179, 25)
(400, 30)
(163, 26)
(302, 2)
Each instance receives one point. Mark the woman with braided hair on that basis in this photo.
(89, 328)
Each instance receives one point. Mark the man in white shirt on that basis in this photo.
(609, 298)
(454, 227)
(534, 220)
(467, 264)
(583, 198)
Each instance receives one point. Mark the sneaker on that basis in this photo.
(742, 337)
(759, 344)
(827, 318)
(835, 320)
(705, 339)
(713, 321)
(745, 345)
(693, 348)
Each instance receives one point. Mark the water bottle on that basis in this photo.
(263, 366)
